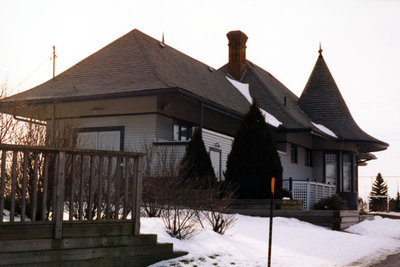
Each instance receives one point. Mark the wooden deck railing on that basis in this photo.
(45, 185)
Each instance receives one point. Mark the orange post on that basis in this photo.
(273, 185)
(270, 220)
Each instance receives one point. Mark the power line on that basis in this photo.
(35, 70)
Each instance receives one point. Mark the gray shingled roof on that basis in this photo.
(322, 102)
(270, 94)
(137, 63)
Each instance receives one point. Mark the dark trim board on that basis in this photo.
(109, 115)
(149, 92)
(171, 143)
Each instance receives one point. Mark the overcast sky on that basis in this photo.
(360, 39)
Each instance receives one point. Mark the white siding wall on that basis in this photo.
(296, 171)
(212, 138)
(154, 127)
(164, 128)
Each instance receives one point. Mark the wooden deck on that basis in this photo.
(73, 208)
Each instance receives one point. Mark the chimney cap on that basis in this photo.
(237, 35)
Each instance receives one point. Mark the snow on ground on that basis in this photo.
(244, 90)
(295, 243)
(394, 214)
(6, 217)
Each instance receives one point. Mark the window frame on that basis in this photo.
(294, 153)
(350, 154)
(120, 129)
(336, 153)
(308, 157)
(180, 125)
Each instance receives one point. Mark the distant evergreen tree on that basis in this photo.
(254, 159)
(379, 188)
(397, 202)
(196, 167)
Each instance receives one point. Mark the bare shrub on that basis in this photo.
(179, 202)
(153, 196)
(219, 199)
(28, 132)
(180, 213)
(161, 165)
(7, 123)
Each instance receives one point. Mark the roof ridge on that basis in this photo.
(156, 73)
(274, 97)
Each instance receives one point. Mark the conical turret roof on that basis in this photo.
(322, 101)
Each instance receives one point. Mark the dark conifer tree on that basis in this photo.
(379, 188)
(196, 167)
(397, 202)
(254, 160)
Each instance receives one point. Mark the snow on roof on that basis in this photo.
(324, 129)
(244, 90)
(270, 119)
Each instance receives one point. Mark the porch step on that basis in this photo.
(106, 254)
(136, 261)
(336, 220)
(75, 243)
(102, 244)
(28, 230)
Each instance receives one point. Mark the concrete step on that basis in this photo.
(136, 261)
(73, 243)
(106, 254)
(39, 230)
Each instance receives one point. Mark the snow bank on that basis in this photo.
(295, 243)
(324, 129)
(244, 90)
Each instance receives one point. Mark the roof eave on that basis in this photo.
(150, 92)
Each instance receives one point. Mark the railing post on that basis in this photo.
(60, 188)
(308, 195)
(137, 196)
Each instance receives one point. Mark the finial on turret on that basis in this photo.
(320, 49)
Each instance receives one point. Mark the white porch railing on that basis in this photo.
(309, 192)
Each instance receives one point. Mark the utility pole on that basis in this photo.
(54, 61)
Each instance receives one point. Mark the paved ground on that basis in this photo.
(390, 261)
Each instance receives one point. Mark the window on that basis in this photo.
(182, 132)
(347, 172)
(308, 157)
(330, 168)
(101, 138)
(293, 153)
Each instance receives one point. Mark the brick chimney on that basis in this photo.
(237, 53)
